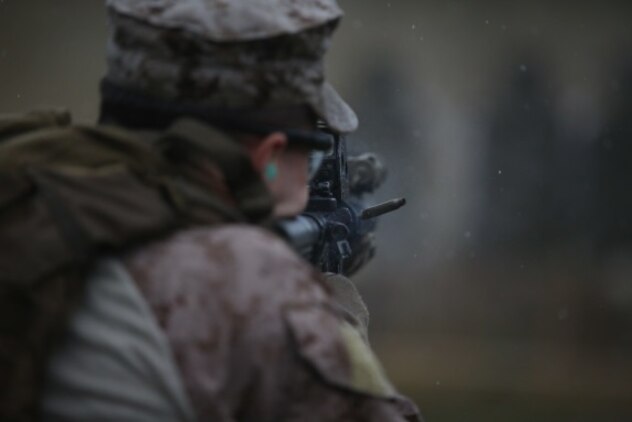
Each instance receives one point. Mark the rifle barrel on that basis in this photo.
(381, 209)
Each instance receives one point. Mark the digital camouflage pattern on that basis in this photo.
(227, 55)
(255, 332)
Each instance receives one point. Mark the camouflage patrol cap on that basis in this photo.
(228, 54)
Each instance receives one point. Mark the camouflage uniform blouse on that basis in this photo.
(255, 334)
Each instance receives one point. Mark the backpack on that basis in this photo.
(69, 194)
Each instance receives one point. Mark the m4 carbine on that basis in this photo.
(336, 232)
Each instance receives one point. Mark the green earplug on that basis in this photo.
(271, 172)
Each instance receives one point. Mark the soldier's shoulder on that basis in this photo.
(249, 239)
(240, 243)
(232, 260)
(255, 258)
(239, 240)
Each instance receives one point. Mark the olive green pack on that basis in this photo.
(69, 194)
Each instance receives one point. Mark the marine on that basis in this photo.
(144, 280)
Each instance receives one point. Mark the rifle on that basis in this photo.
(336, 233)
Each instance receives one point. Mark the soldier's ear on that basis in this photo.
(268, 150)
